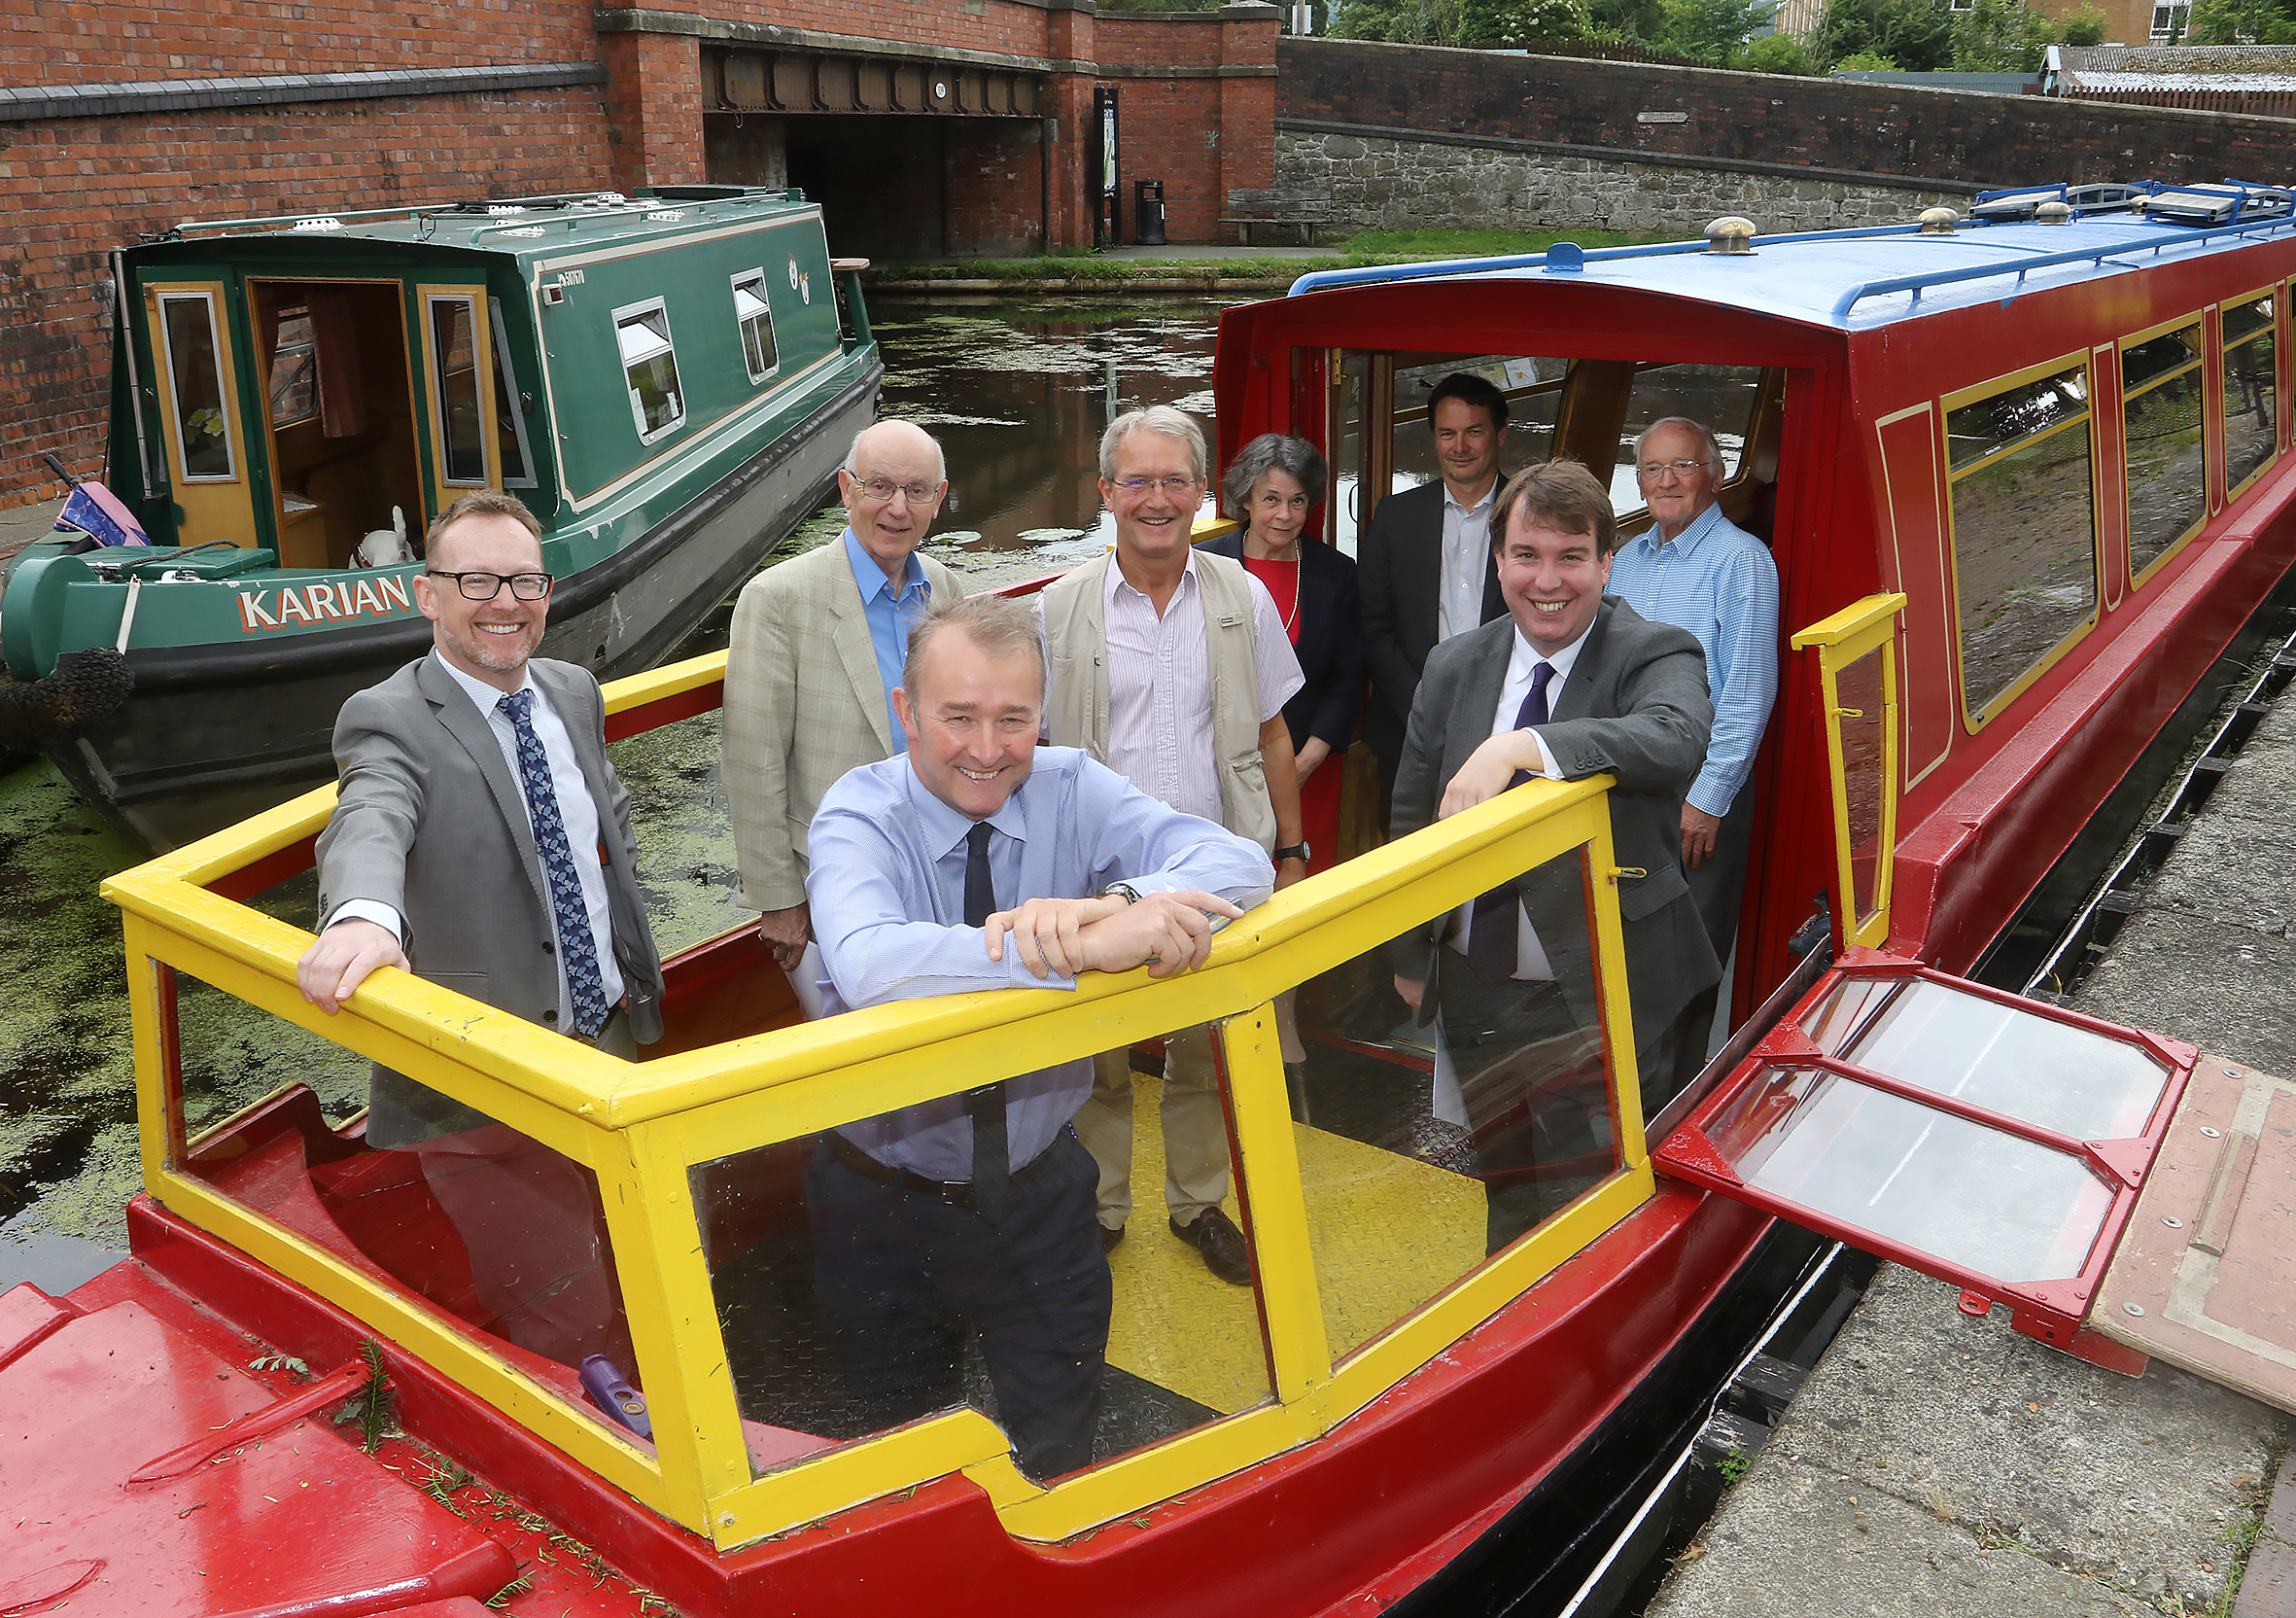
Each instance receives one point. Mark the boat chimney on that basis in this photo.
(1938, 222)
(1731, 234)
(2053, 212)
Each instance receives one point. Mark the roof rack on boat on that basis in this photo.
(2230, 203)
(506, 209)
(2022, 203)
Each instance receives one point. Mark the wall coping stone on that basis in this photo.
(39, 103)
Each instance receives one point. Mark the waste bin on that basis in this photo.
(1148, 213)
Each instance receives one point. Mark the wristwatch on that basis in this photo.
(1293, 851)
(1124, 891)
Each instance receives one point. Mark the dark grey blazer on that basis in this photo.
(1635, 705)
(1399, 560)
(431, 822)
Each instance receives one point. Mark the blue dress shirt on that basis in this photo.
(892, 615)
(887, 888)
(1717, 582)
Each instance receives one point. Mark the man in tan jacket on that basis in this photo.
(817, 646)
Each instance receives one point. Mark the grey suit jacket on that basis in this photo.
(804, 703)
(1400, 569)
(1635, 705)
(432, 821)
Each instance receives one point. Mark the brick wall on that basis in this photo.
(1840, 125)
(76, 187)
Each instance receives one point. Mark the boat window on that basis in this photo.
(2163, 393)
(2251, 389)
(2024, 528)
(510, 409)
(754, 316)
(295, 369)
(454, 360)
(1427, 1147)
(840, 1290)
(204, 432)
(1533, 387)
(651, 366)
(1722, 399)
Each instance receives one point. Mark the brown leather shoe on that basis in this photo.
(1214, 1235)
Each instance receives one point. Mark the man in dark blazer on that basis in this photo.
(464, 846)
(1569, 683)
(1420, 558)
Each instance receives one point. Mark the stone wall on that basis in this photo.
(1430, 182)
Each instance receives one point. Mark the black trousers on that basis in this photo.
(902, 1277)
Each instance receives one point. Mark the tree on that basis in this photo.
(1915, 34)
(1777, 54)
(2000, 36)
(1560, 22)
(1635, 20)
(2243, 23)
(1711, 30)
(1865, 61)
(2085, 26)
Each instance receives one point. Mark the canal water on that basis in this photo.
(1017, 392)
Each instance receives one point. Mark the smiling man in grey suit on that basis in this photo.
(464, 846)
(817, 647)
(1571, 682)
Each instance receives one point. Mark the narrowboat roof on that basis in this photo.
(527, 228)
(1861, 280)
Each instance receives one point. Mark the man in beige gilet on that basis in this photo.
(1172, 668)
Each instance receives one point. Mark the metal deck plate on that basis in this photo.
(2206, 1276)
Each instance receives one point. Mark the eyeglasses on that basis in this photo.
(1655, 472)
(1175, 485)
(883, 489)
(485, 587)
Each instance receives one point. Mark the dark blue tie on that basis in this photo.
(1490, 939)
(576, 946)
(992, 1164)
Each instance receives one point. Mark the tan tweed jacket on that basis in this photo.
(803, 704)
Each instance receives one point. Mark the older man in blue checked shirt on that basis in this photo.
(1697, 570)
(977, 860)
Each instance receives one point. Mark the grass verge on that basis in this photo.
(1366, 248)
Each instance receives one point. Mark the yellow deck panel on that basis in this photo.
(1389, 1232)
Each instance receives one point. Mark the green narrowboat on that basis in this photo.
(666, 379)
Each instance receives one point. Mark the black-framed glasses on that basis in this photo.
(485, 587)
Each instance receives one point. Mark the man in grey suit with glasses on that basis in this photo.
(481, 840)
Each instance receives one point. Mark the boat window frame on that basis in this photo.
(506, 372)
(2271, 330)
(435, 388)
(740, 281)
(640, 1127)
(660, 306)
(1634, 521)
(1974, 720)
(2137, 577)
(209, 295)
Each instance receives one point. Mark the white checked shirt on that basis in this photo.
(1160, 690)
(1466, 559)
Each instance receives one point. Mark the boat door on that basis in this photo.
(189, 326)
(2122, 1194)
(458, 393)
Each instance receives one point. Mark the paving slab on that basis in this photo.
(2222, 985)
(1995, 1474)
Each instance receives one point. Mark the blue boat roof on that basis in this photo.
(1858, 280)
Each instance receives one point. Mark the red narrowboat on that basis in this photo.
(2023, 478)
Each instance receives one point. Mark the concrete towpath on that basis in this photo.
(1934, 1463)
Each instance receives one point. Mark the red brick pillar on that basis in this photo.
(653, 108)
(1068, 106)
(1247, 103)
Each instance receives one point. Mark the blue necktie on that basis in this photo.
(1490, 939)
(577, 948)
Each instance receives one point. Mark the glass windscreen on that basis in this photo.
(1532, 387)
(862, 1284)
(1722, 399)
(1969, 1196)
(188, 323)
(2044, 1072)
(2251, 423)
(462, 423)
(1432, 1140)
(2162, 394)
(1860, 690)
(295, 369)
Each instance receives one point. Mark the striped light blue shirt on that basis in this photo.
(1717, 582)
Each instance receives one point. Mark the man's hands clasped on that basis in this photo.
(1171, 932)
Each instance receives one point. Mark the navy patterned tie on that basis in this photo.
(578, 947)
(993, 1163)
(1490, 942)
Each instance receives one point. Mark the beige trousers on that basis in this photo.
(1194, 1124)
